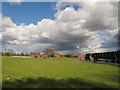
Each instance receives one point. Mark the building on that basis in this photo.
(56, 54)
(38, 55)
(80, 56)
(44, 55)
(35, 54)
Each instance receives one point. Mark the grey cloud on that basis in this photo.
(102, 17)
(69, 30)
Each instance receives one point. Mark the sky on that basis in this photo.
(68, 27)
(27, 13)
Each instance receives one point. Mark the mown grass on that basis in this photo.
(57, 71)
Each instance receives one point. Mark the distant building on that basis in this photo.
(38, 55)
(56, 54)
(80, 56)
(35, 54)
(45, 55)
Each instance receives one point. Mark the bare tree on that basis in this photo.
(48, 51)
(118, 39)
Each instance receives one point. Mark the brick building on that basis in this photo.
(80, 56)
(56, 54)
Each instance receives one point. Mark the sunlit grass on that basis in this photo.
(59, 68)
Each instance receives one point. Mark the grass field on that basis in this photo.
(57, 72)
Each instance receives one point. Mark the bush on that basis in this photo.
(52, 55)
(35, 56)
(7, 54)
(68, 55)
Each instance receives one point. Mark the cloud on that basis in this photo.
(7, 23)
(15, 1)
(98, 16)
(108, 39)
(102, 16)
(91, 28)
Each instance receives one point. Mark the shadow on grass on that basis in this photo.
(43, 82)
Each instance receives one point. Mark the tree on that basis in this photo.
(26, 54)
(118, 39)
(22, 54)
(48, 51)
(5, 50)
(68, 55)
(8, 52)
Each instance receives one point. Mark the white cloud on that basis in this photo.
(71, 29)
(15, 1)
(7, 22)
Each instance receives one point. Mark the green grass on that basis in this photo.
(58, 70)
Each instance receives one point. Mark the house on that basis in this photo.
(44, 55)
(56, 54)
(38, 54)
(35, 54)
(80, 56)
